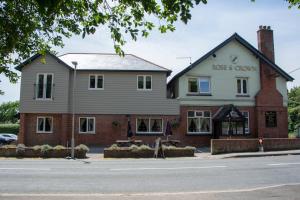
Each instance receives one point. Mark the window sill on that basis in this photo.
(242, 95)
(198, 94)
(148, 134)
(87, 133)
(198, 134)
(95, 88)
(40, 132)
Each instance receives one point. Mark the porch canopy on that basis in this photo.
(228, 121)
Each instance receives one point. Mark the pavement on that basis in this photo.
(272, 177)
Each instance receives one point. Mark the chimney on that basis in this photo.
(266, 42)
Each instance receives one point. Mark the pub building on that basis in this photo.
(235, 90)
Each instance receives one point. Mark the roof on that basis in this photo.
(103, 62)
(227, 111)
(246, 44)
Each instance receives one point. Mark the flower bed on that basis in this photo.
(144, 151)
(43, 151)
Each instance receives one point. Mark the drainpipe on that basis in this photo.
(73, 111)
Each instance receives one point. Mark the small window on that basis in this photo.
(149, 125)
(199, 85)
(44, 124)
(87, 125)
(271, 119)
(96, 82)
(199, 122)
(246, 115)
(242, 86)
(44, 86)
(144, 82)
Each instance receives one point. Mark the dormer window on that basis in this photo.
(44, 86)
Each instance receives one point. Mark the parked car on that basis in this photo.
(7, 138)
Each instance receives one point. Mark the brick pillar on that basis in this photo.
(64, 129)
(21, 135)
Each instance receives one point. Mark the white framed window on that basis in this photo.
(200, 85)
(44, 86)
(242, 86)
(96, 82)
(144, 82)
(198, 122)
(247, 122)
(149, 125)
(44, 124)
(87, 125)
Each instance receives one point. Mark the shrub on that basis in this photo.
(20, 150)
(9, 128)
(46, 150)
(145, 147)
(113, 147)
(9, 146)
(59, 147)
(36, 147)
(82, 147)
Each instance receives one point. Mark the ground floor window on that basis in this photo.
(87, 125)
(44, 124)
(149, 125)
(271, 119)
(198, 122)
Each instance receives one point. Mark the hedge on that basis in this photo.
(9, 128)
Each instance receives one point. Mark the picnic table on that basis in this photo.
(127, 143)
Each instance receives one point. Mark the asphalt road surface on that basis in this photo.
(184, 178)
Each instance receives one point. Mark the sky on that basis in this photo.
(210, 25)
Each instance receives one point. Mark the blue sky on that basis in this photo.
(211, 24)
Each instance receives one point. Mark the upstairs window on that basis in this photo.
(44, 124)
(271, 119)
(96, 82)
(44, 86)
(144, 82)
(242, 86)
(199, 85)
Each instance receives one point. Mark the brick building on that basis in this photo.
(234, 90)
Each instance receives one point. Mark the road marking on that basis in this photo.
(33, 169)
(279, 164)
(165, 168)
(143, 194)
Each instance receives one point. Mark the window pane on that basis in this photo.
(206, 114)
(156, 125)
(91, 127)
(100, 82)
(193, 125)
(83, 125)
(192, 84)
(40, 86)
(140, 82)
(199, 113)
(204, 124)
(49, 86)
(271, 119)
(245, 86)
(225, 128)
(191, 113)
(148, 82)
(204, 85)
(40, 124)
(238, 128)
(239, 89)
(48, 124)
(92, 81)
(142, 125)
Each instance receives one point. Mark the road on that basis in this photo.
(184, 178)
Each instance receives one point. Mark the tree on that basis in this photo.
(294, 108)
(34, 26)
(9, 111)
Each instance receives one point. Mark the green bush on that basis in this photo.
(20, 150)
(82, 147)
(59, 147)
(36, 147)
(9, 128)
(46, 150)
